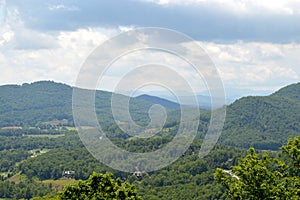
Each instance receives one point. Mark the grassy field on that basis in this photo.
(56, 122)
(46, 135)
(58, 184)
(4, 174)
(70, 128)
(38, 152)
(17, 178)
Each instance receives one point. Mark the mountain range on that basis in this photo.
(264, 122)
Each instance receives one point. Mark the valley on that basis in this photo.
(39, 143)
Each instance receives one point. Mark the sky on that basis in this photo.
(255, 45)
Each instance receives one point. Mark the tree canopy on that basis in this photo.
(100, 187)
(262, 177)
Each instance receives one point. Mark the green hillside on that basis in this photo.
(291, 91)
(263, 122)
(33, 161)
(32, 103)
(45, 101)
(158, 100)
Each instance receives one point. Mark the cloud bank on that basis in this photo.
(254, 44)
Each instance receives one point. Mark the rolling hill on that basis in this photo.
(44, 101)
(157, 100)
(264, 122)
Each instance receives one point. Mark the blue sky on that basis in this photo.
(254, 44)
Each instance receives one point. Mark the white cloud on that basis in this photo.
(6, 37)
(127, 69)
(241, 64)
(61, 63)
(28, 55)
(2, 11)
(29, 39)
(63, 7)
(255, 65)
(241, 6)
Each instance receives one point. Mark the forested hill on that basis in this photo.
(158, 100)
(45, 101)
(292, 92)
(264, 122)
(29, 104)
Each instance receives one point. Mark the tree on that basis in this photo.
(262, 177)
(292, 149)
(100, 186)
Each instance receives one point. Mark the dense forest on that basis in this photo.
(38, 142)
(68, 154)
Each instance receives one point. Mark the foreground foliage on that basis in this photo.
(264, 177)
(98, 187)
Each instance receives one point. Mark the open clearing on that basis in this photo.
(46, 135)
(58, 184)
